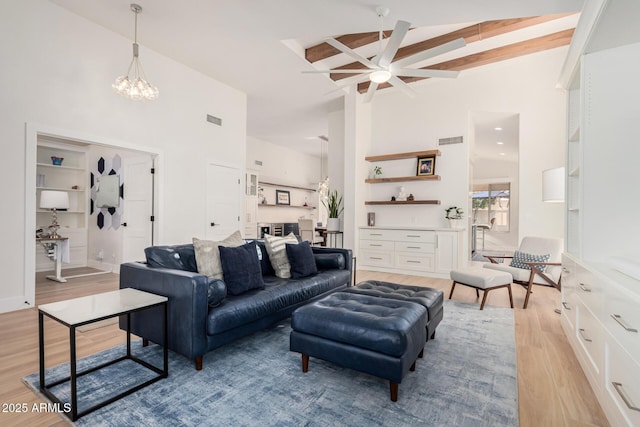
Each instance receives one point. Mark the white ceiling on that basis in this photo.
(257, 46)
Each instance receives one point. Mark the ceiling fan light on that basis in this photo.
(380, 76)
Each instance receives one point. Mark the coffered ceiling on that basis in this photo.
(259, 47)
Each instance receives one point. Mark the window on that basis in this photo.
(491, 201)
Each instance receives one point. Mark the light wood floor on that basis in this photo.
(552, 390)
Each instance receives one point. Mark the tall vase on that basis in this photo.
(454, 223)
(333, 224)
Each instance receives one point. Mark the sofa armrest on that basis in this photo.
(347, 253)
(187, 306)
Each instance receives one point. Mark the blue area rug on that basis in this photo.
(467, 378)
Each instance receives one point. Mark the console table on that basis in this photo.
(82, 311)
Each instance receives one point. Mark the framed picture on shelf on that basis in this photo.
(426, 165)
(283, 197)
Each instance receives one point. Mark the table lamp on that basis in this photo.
(54, 200)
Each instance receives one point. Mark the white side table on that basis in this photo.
(81, 311)
(57, 244)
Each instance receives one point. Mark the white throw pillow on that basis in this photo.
(208, 254)
(277, 250)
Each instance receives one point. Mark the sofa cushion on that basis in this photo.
(208, 256)
(174, 257)
(279, 294)
(216, 292)
(330, 261)
(241, 268)
(301, 259)
(278, 254)
(519, 259)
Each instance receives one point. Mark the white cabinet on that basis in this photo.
(429, 252)
(251, 217)
(70, 177)
(601, 320)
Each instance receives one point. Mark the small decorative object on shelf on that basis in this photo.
(402, 195)
(454, 214)
(393, 198)
(377, 171)
(426, 165)
(410, 198)
(371, 219)
(57, 161)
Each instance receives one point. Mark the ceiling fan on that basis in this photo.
(381, 68)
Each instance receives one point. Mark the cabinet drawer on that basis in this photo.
(415, 247)
(412, 261)
(623, 383)
(380, 245)
(423, 236)
(590, 336)
(621, 318)
(589, 288)
(569, 284)
(375, 258)
(376, 234)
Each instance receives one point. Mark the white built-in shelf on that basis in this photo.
(574, 210)
(48, 165)
(68, 211)
(273, 184)
(398, 156)
(60, 189)
(268, 205)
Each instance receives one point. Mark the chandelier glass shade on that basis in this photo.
(134, 84)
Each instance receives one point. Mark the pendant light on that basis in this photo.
(134, 84)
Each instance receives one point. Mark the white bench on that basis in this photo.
(482, 278)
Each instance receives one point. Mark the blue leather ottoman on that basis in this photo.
(377, 336)
(430, 298)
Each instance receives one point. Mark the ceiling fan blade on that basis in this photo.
(399, 84)
(430, 53)
(401, 29)
(370, 92)
(423, 72)
(352, 81)
(340, 71)
(348, 51)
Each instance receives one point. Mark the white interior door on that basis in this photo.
(138, 207)
(224, 193)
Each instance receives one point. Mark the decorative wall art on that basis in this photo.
(107, 192)
(426, 165)
(283, 197)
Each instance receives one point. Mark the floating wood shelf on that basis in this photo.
(273, 184)
(402, 202)
(268, 205)
(403, 178)
(397, 156)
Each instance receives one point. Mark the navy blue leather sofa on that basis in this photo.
(195, 328)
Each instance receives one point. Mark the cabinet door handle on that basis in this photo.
(371, 244)
(584, 287)
(584, 337)
(412, 235)
(376, 234)
(625, 398)
(413, 247)
(566, 306)
(566, 270)
(414, 262)
(373, 257)
(622, 323)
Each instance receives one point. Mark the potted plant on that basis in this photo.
(333, 203)
(377, 171)
(453, 214)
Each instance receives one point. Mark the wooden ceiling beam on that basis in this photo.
(470, 34)
(325, 50)
(502, 53)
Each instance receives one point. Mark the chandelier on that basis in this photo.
(134, 84)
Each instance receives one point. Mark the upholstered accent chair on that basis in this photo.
(536, 262)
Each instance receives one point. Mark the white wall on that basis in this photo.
(282, 165)
(57, 72)
(525, 86)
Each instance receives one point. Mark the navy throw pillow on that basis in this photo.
(301, 259)
(241, 268)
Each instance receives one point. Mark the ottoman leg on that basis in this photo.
(305, 363)
(421, 355)
(453, 286)
(393, 388)
(413, 367)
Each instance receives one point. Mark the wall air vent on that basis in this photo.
(258, 162)
(215, 120)
(450, 140)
